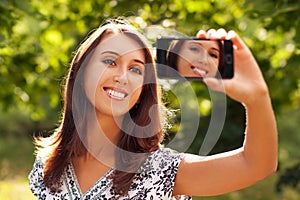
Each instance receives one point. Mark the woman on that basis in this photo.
(108, 143)
(196, 58)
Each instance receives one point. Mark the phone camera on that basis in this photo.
(228, 59)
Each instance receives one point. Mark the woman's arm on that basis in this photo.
(233, 170)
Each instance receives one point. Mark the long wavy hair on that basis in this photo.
(65, 142)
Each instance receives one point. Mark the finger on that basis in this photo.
(215, 84)
(212, 34)
(221, 33)
(201, 34)
(231, 34)
(237, 41)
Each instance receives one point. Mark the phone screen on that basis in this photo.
(194, 58)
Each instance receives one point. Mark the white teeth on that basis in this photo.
(116, 94)
(199, 71)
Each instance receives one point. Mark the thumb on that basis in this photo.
(215, 84)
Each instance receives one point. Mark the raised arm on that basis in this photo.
(237, 169)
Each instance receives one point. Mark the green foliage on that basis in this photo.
(289, 166)
(16, 156)
(37, 39)
(291, 178)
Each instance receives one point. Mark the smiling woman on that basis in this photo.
(108, 87)
(118, 72)
(107, 145)
(196, 58)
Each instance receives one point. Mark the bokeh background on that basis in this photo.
(38, 38)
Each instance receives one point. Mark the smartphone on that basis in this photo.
(194, 58)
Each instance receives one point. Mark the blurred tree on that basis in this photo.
(37, 39)
(280, 22)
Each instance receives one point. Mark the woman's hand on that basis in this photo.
(257, 159)
(248, 84)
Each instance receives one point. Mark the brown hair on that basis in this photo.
(65, 142)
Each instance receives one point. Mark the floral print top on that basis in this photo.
(154, 181)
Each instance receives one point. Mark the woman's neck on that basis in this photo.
(101, 137)
(110, 127)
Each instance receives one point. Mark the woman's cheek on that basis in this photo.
(92, 82)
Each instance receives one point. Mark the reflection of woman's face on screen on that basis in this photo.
(198, 58)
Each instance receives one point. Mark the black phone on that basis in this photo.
(194, 58)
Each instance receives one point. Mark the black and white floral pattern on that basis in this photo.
(154, 181)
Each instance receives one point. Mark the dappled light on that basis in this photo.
(38, 39)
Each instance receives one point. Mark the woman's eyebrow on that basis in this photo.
(139, 61)
(198, 43)
(110, 52)
(117, 54)
(194, 42)
(216, 49)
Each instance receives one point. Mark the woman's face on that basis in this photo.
(198, 58)
(114, 75)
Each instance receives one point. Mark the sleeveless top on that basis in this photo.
(154, 181)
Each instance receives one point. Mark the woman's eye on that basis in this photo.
(214, 55)
(109, 61)
(137, 70)
(196, 49)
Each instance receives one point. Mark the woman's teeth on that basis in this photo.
(116, 94)
(200, 71)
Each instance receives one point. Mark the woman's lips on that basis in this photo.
(115, 93)
(199, 71)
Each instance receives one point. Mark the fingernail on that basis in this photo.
(201, 33)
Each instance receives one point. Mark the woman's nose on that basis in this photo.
(203, 58)
(121, 76)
